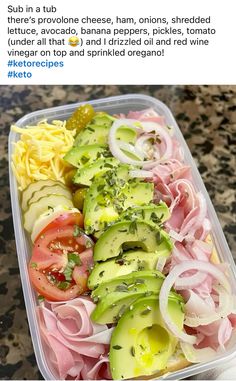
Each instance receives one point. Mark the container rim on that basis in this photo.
(21, 244)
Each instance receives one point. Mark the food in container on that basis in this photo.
(118, 264)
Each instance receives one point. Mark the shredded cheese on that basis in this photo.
(38, 155)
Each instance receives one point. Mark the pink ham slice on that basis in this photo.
(75, 347)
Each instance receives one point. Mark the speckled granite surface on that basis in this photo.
(207, 118)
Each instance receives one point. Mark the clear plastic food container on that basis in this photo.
(112, 105)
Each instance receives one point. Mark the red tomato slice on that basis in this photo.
(65, 219)
(49, 268)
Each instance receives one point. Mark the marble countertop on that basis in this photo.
(207, 118)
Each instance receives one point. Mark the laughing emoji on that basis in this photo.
(73, 41)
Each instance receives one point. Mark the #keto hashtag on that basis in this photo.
(19, 74)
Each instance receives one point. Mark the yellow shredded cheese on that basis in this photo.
(38, 155)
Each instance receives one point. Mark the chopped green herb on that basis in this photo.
(63, 285)
(77, 231)
(33, 265)
(121, 288)
(73, 260)
(84, 159)
(111, 182)
(117, 347)
(41, 298)
(88, 244)
(68, 273)
(100, 187)
(141, 267)
(101, 273)
(146, 311)
(120, 261)
(90, 129)
(51, 208)
(158, 237)
(95, 299)
(133, 227)
(139, 281)
(108, 165)
(155, 218)
(132, 351)
(148, 293)
(122, 310)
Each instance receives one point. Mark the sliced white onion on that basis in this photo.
(197, 355)
(103, 337)
(176, 236)
(141, 141)
(164, 135)
(130, 148)
(223, 310)
(137, 125)
(141, 173)
(200, 216)
(114, 147)
(161, 263)
(168, 284)
(190, 281)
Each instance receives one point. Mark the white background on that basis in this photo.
(214, 64)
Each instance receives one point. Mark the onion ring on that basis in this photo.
(171, 279)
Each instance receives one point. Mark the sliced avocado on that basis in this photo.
(97, 132)
(126, 234)
(110, 309)
(141, 344)
(103, 206)
(79, 156)
(112, 305)
(137, 193)
(85, 174)
(110, 194)
(104, 182)
(92, 134)
(141, 279)
(154, 214)
(137, 260)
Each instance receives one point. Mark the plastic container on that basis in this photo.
(113, 105)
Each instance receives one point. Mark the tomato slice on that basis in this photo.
(60, 263)
(64, 219)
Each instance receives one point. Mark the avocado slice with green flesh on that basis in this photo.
(92, 134)
(112, 306)
(105, 181)
(154, 214)
(98, 134)
(96, 131)
(85, 175)
(127, 263)
(110, 309)
(110, 194)
(131, 234)
(140, 343)
(144, 280)
(79, 156)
